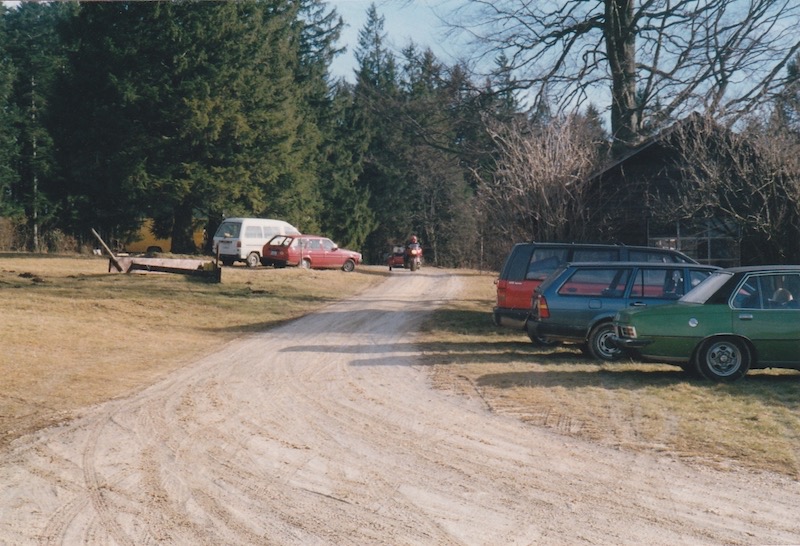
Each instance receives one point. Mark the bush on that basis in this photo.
(16, 235)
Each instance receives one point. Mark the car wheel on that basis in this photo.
(599, 343)
(348, 266)
(305, 263)
(723, 359)
(253, 259)
(226, 261)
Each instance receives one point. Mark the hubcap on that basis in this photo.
(605, 348)
(724, 359)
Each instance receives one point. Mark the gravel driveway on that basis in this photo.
(326, 431)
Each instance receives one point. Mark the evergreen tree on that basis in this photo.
(36, 49)
(12, 199)
(191, 108)
(377, 113)
(347, 216)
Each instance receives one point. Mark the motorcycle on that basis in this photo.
(414, 256)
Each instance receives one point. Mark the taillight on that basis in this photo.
(540, 307)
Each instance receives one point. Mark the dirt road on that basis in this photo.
(326, 431)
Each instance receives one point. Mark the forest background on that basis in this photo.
(190, 112)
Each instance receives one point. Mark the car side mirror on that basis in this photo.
(335, 247)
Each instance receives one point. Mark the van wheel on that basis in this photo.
(253, 259)
(226, 261)
(599, 346)
(305, 263)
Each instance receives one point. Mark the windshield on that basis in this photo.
(707, 288)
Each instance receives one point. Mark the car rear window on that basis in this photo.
(228, 229)
(544, 261)
(280, 241)
(607, 283)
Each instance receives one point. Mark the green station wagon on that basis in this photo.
(738, 319)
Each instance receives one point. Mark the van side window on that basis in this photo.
(253, 231)
(517, 266)
(595, 255)
(657, 256)
(544, 261)
(608, 283)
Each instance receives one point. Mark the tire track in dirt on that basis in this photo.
(326, 430)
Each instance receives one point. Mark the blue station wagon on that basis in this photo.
(577, 303)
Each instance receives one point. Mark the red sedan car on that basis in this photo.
(309, 252)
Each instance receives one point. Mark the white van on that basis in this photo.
(242, 239)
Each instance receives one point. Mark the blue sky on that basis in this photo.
(418, 21)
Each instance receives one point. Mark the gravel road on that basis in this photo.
(327, 431)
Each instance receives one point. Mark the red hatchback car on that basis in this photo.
(309, 252)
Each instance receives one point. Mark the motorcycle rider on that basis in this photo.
(413, 242)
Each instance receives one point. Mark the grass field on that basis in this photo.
(74, 335)
(754, 423)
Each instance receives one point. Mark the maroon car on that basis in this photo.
(309, 252)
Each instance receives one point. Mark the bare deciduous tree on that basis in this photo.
(748, 181)
(651, 61)
(538, 190)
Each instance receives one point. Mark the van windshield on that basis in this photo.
(228, 229)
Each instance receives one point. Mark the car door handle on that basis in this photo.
(638, 304)
(745, 316)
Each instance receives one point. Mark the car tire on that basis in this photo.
(226, 261)
(305, 263)
(598, 345)
(348, 266)
(723, 359)
(253, 259)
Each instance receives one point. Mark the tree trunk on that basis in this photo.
(182, 231)
(620, 36)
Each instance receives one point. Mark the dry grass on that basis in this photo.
(754, 423)
(75, 335)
